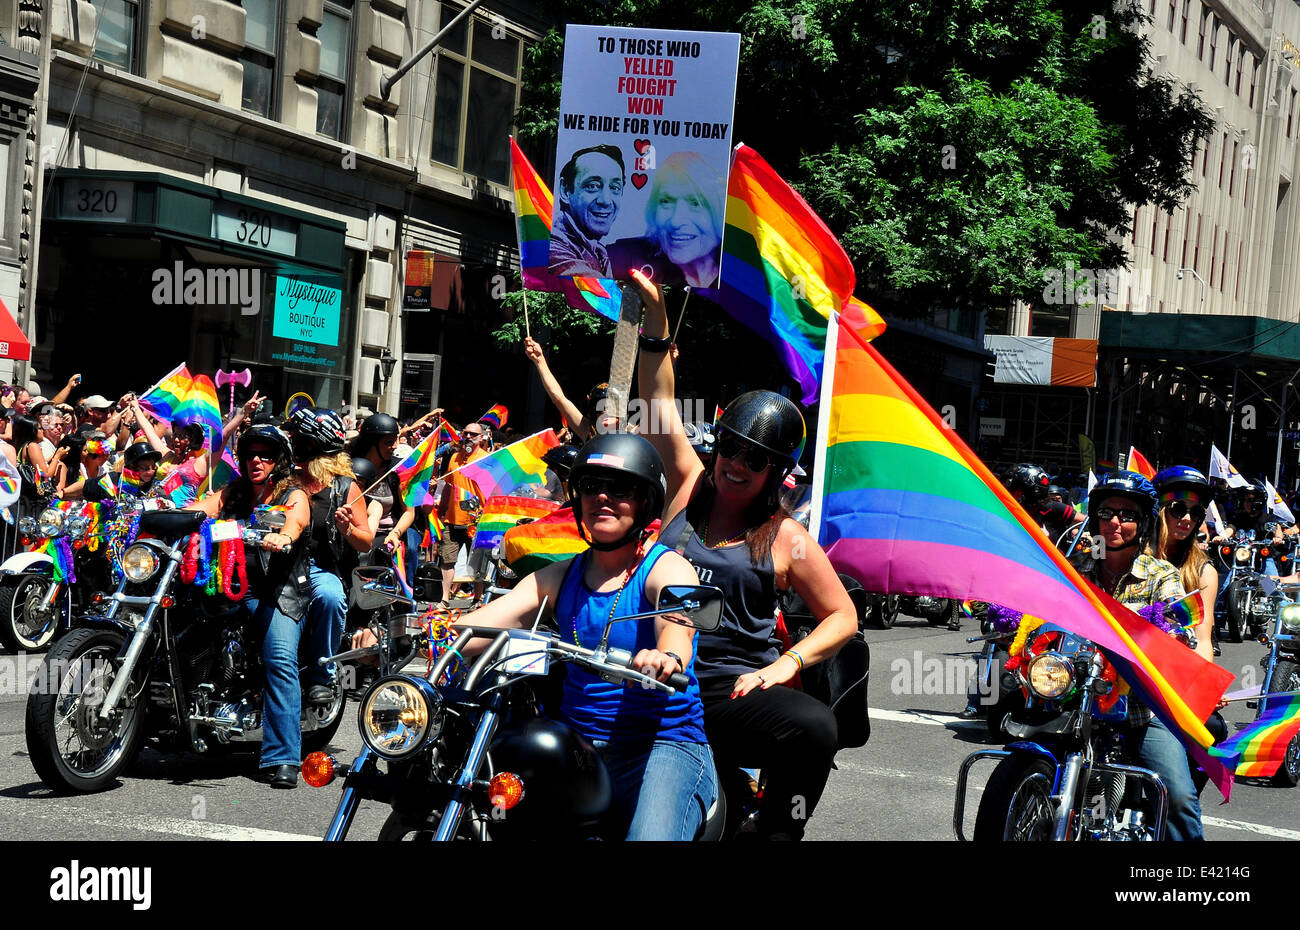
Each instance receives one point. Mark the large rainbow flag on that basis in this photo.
(903, 504)
(500, 472)
(181, 396)
(417, 471)
(783, 271)
(533, 208)
(554, 538)
(501, 513)
(1260, 749)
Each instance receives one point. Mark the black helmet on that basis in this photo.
(265, 433)
(364, 471)
(769, 421)
(1058, 491)
(137, 451)
(561, 459)
(1184, 478)
(1135, 487)
(322, 427)
(700, 436)
(376, 426)
(624, 454)
(1031, 481)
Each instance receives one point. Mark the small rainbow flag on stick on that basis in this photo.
(417, 471)
(1261, 748)
(1189, 612)
(496, 417)
(1138, 462)
(500, 472)
(533, 208)
(501, 513)
(554, 538)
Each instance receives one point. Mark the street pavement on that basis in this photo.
(900, 786)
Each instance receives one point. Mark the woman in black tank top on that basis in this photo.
(728, 522)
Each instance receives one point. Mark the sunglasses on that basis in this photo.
(620, 488)
(471, 435)
(1125, 516)
(261, 455)
(1179, 509)
(729, 447)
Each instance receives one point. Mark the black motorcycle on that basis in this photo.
(1062, 778)
(466, 752)
(1249, 604)
(162, 660)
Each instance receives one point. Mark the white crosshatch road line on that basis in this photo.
(12, 812)
(918, 716)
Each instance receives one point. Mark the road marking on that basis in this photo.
(175, 826)
(917, 716)
(1260, 828)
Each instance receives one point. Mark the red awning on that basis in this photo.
(13, 344)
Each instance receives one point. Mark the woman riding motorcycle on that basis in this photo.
(279, 589)
(728, 521)
(654, 745)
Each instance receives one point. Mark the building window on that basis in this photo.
(476, 93)
(1196, 249)
(1205, 159)
(1214, 251)
(1169, 222)
(1241, 63)
(1232, 175)
(1155, 227)
(1182, 32)
(1254, 74)
(1187, 229)
(1135, 225)
(1214, 41)
(1173, 12)
(1223, 262)
(1223, 159)
(1227, 71)
(1290, 114)
(335, 34)
(1200, 43)
(1236, 289)
(116, 31)
(261, 45)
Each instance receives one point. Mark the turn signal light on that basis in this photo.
(1226, 550)
(318, 769)
(168, 601)
(1264, 551)
(505, 790)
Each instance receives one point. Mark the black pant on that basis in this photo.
(788, 734)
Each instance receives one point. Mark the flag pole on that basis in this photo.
(823, 427)
(681, 316)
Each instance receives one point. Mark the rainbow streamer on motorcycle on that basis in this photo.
(898, 493)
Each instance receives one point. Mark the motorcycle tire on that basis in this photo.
(1238, 612)
(1017, 802)
(318, 739)
(19, 630)
(885, 611)
(58, 713)
(403, 827)
(1286, 677)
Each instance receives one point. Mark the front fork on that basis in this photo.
(348, 803)
(140, 638)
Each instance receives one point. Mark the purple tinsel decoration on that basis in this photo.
(1155, 615)
(1004, 619)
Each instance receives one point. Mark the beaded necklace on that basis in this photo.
(613, 607)
(704, 537)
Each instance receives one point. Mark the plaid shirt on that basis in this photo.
(1148, 580)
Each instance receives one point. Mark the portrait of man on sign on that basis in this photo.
(590, 194)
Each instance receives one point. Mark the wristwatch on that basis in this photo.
(678, 659)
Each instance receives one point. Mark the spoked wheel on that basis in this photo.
(1286, 677)
(1017, 802)
(886, 610)
(1238, 611)
(27, 621)
(71, 748)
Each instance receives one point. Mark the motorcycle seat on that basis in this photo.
(715, 821)
(170, 525)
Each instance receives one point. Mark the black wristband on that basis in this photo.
(678, 659)
(651, 344)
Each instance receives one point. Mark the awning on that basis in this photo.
(13, 344)
(1238, 337)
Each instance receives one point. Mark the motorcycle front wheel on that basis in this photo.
(1286, 677)
(402, 827)
(71, 749)
(27, 624)
(885, 611)
(1238, 611)
(1017, 802)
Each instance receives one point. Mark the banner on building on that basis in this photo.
(1044, 360)
(429, 281)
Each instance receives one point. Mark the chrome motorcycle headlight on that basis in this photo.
(399, 715)
(76, 527)
(139, 564)
(1291, 618)
(505, 572)
(51, 522)
(1050, 675)
(1242, 555)
(28, 526)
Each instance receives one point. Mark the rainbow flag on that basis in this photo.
(201, 407)
(496, 417)
(417, 471)
(1261, 748)
(554, 538)
(533, 208)
(433, 533)
(226, 470)
(168, 395)
(1189, 612)
(897, 493)
(399, 569)
(500, 472)
(783, 272)
(1138, 462)
(446, 433)
(501, 513)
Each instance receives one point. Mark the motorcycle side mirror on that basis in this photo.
(275, 519)
(374, 587)
(695, 605)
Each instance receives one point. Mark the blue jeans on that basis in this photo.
(1159, 750)
(327, 616)
(663, 792)
(282, 699)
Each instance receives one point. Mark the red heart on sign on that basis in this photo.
(638, 180)
(642, 146)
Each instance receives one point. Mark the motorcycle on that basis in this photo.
(1061, 778)
(1282, 674)
(65, 565)
(936, 611)
(163, 660)
(466, 752)
(1247, 609)
(992, 662)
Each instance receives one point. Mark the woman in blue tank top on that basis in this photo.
(726, 519)
(653, 743)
